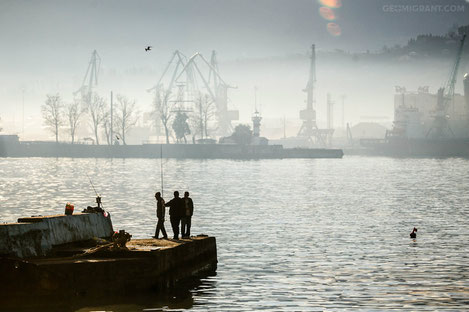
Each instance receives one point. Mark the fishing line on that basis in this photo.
(161, 168)
(92, 184)
(100, 204)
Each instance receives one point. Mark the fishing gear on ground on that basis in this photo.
(97, 209)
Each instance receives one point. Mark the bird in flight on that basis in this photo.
(148, 48)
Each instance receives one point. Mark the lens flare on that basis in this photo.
(334, 29)
(331, 3)
(327, 13)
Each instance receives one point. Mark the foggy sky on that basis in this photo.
(48, 43)
(54, 30)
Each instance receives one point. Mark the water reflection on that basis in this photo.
(177, 299)
(299, 235)
(174, 300)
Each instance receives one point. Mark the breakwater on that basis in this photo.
(180, 151)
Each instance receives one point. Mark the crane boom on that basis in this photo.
(454, 72)
(440, 124)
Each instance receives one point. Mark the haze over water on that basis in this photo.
(292, 235)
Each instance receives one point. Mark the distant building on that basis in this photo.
(414, 114)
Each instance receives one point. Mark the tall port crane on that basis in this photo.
(309, 129)
(189, 76)
(444, 99)
(220, 89)
(179, 60)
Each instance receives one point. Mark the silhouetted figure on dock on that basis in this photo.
(175, 212)
(187, 215)
(413, 234)
(96, 209)
(160, 212)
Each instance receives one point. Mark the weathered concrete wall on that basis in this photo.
(106, 276)
(37, 236)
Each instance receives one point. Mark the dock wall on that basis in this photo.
(35, 236)
(105, 277)
(179, 151)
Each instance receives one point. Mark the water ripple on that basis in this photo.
(292, 235)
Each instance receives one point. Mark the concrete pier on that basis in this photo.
(146, 266)
(60, 259)
(35, 236)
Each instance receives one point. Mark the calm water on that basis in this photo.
(292, 235)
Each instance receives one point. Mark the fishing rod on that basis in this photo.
(161, 168)
(98, 197)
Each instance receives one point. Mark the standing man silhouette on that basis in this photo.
(160, 212)
(187, 215)
(175, 212)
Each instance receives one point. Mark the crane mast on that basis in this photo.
(309, 129)
(440, 123)
(91, 76)
(454, 72)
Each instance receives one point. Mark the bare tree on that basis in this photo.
(107, 125)
(96, 109)
(196, 125)
(73, 112)
(52, 112)
(126, 116)
(163, 109)
(207, 112)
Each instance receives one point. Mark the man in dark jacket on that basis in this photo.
(187, 215)
(175, 213)
(160, 212)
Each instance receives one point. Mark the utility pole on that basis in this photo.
(330, 112)
(343, 110)
(330, 118)
(22, 90)
(284, 127)
(201, 119)
(112, 114)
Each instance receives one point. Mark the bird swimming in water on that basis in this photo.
(148, 48)
(414, 233)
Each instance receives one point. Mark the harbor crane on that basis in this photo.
(188, 77)
(309, 129)
(440, 124)
(91, 76)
